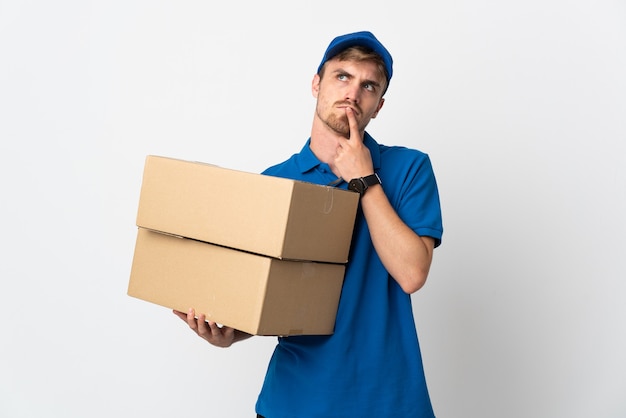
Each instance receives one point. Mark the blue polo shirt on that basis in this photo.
(371, 365)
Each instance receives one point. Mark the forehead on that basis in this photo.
(365, 69)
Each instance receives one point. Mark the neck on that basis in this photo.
(324, 143)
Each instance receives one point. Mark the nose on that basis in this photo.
(352, 93)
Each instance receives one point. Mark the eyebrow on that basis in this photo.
(341, 71)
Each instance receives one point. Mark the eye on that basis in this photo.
(342, 77)
(369, 87)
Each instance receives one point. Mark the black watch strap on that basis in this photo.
(361, 184)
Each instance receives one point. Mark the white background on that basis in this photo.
(521, 106)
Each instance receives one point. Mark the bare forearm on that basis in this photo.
(406, 256)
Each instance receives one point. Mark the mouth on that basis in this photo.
(345, 105)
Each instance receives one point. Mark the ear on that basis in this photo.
(380, 105)
(315, 85)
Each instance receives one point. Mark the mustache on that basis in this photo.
(354, 106)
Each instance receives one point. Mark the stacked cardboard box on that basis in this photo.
(261, 254)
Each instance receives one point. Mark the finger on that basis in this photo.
(228, 333)
(354, 126)
(191, 319)
(181, 315)
(208, 330)
(213, 328)
(201, 326)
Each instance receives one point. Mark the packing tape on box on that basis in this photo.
(330, 198)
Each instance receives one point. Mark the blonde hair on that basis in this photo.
(359, 54)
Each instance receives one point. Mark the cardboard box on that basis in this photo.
(266, 215)
(256, 294)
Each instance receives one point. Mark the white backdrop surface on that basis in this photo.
(521, 106)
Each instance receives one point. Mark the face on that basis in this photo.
(358, 85)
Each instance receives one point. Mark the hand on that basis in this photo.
(353, 158)
(208, 330)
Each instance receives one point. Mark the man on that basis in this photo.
(371, 366)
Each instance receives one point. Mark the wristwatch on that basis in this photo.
(361, 184)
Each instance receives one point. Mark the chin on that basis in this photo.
(339, 125)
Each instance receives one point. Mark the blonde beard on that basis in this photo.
(337, 124)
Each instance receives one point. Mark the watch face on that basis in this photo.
(356, 185)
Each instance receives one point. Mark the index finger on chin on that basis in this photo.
(354, 126)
